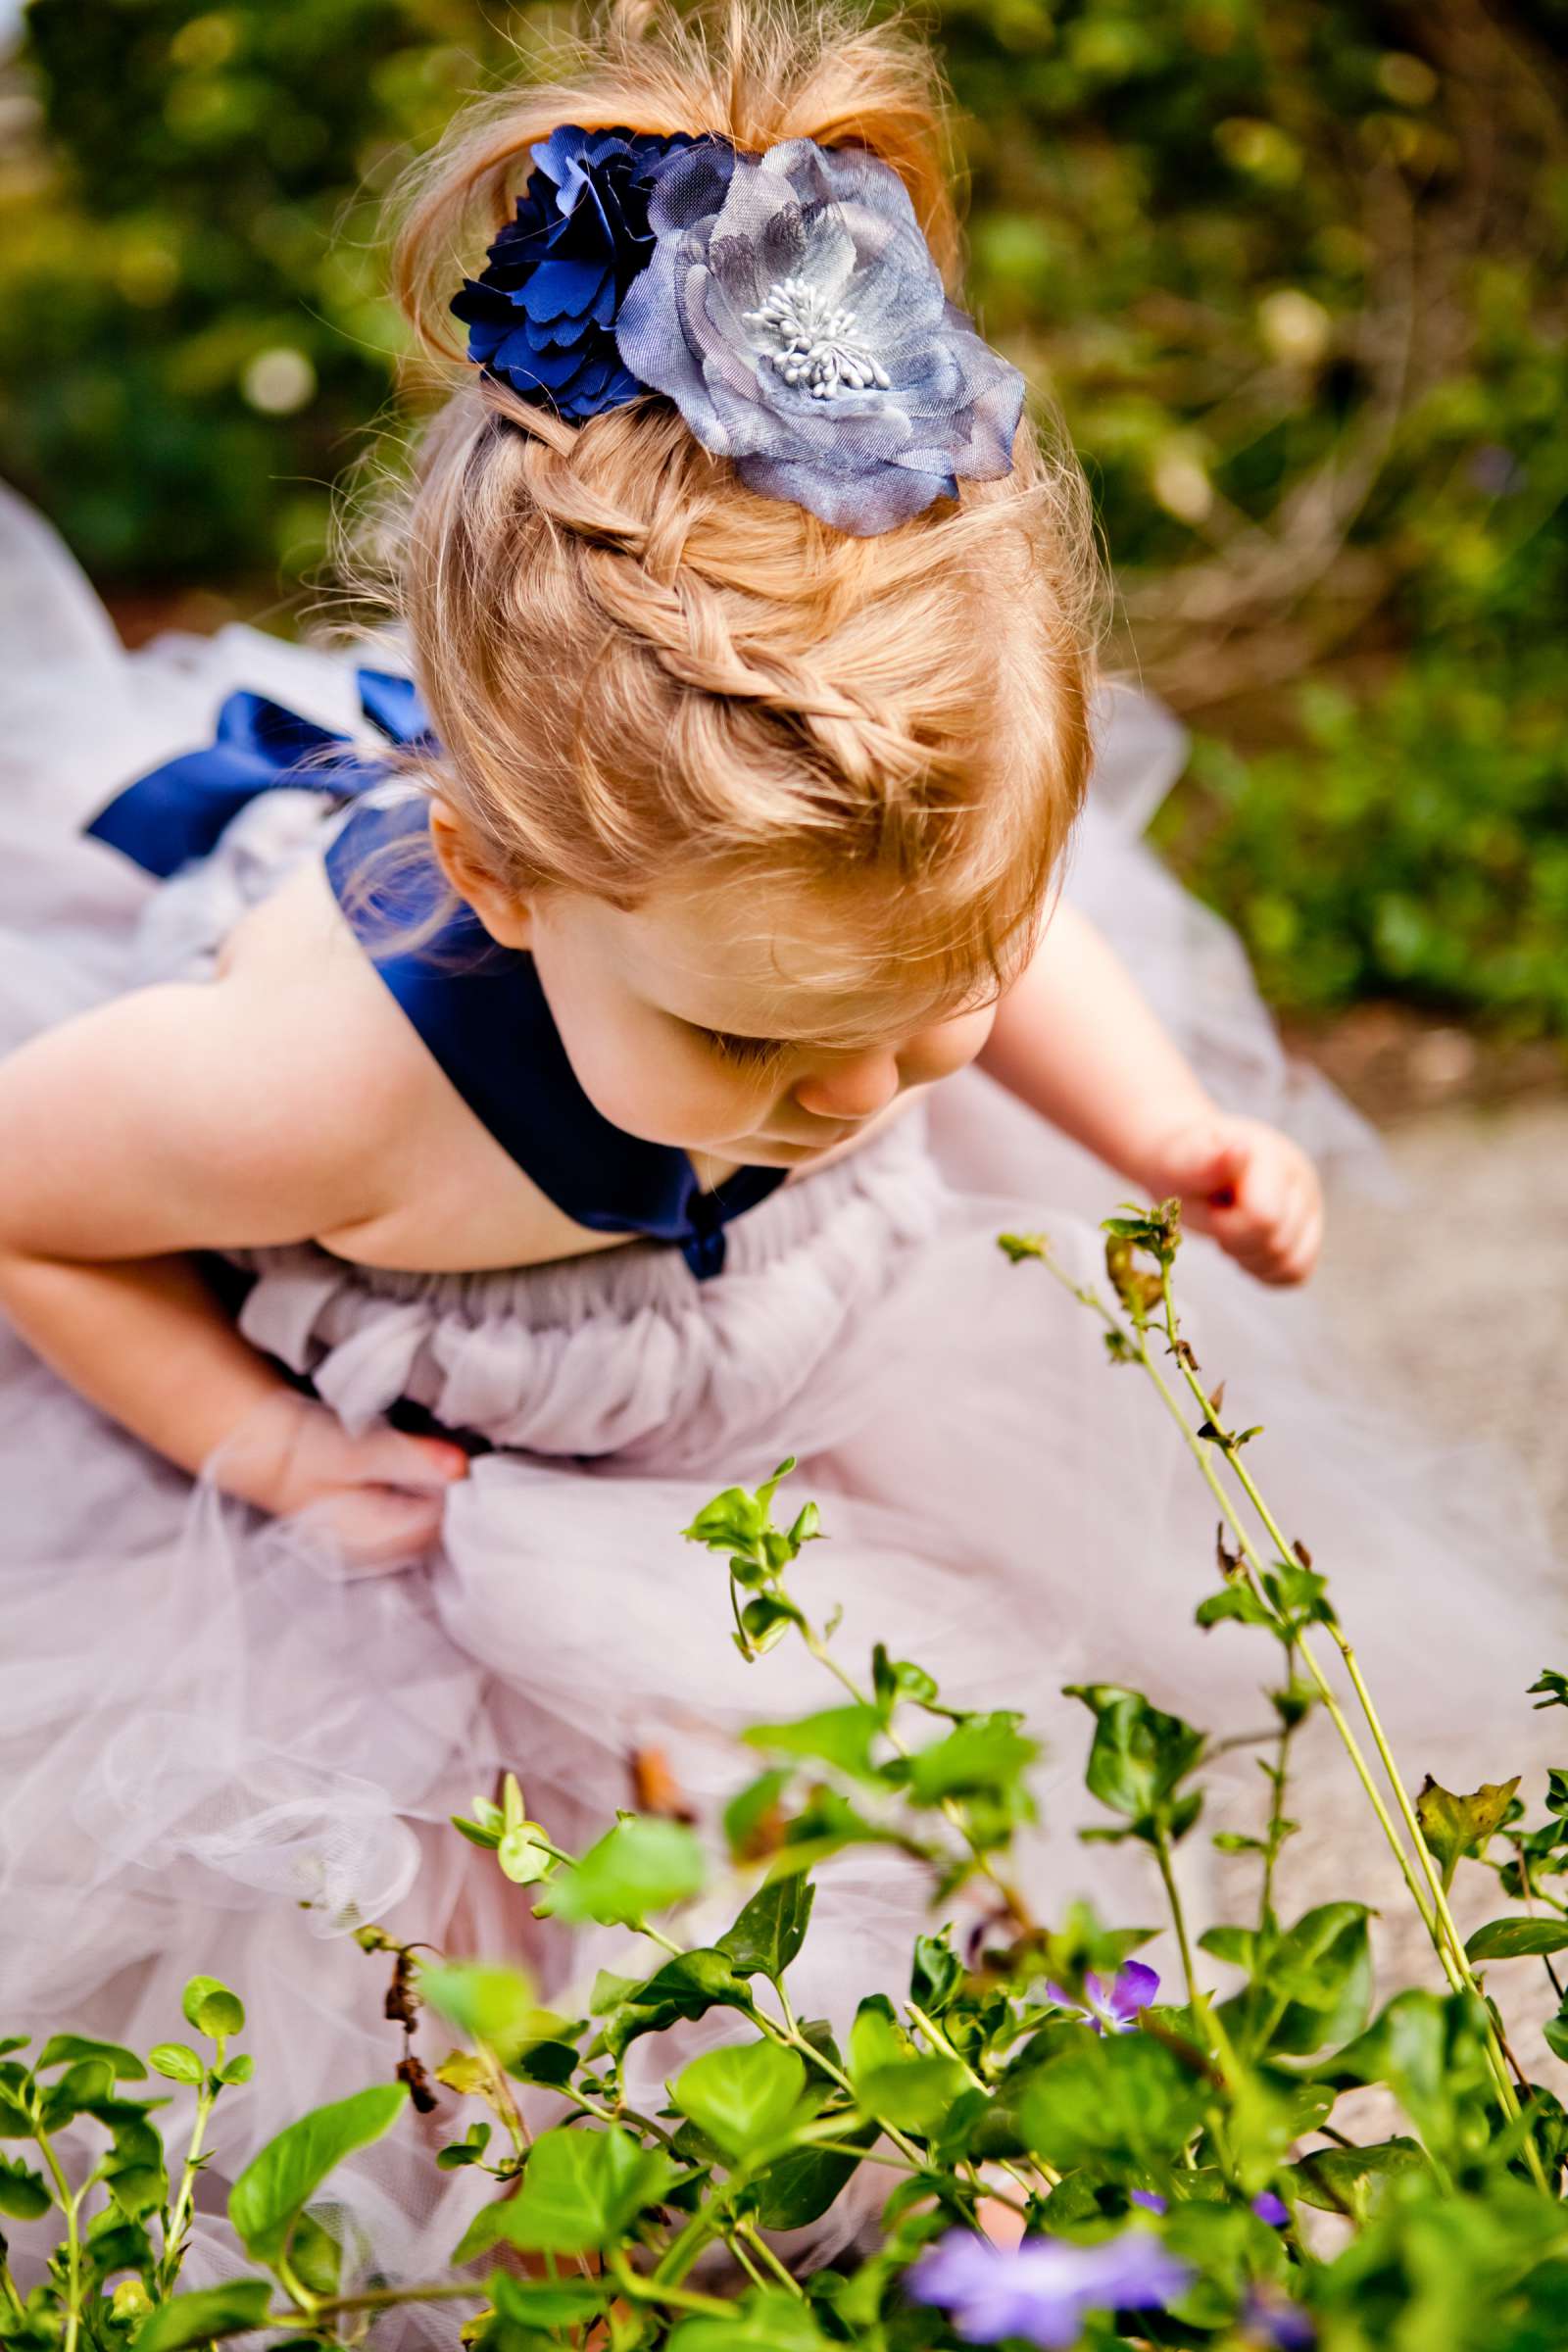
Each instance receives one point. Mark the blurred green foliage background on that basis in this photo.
(1294, 268)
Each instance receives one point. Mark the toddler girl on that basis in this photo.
(459, 1153)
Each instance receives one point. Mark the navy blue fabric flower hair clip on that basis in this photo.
(787, 303)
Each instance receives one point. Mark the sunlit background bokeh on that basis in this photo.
(1294, 269)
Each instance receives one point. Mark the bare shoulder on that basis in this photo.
(321, 1032)
(263, 1104)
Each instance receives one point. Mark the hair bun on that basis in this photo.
(755, 72)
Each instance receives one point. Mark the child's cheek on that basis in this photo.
(642, 1081)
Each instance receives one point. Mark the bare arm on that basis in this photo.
(173, 1119)
(1076, 1040)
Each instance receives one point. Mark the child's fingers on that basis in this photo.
(1207, 1168)
(369, 1531)
(393, 1457)
(1288, 1253)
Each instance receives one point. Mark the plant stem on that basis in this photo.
(646, 2291)
(1279, 1780)
(376, 2298)
(1178, 1920)
(765, 2254)
(67, 2204)
(10, 2286)
(1438, 1921)
(169, 2260)
(791, 2037)
(1435, 1918)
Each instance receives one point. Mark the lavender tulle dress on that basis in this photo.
(219, 1752)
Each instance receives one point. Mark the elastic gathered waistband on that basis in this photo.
(894, 1171)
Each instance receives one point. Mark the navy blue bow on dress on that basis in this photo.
(178, 810)
(480, 1009)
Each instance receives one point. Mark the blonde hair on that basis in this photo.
(638, 667)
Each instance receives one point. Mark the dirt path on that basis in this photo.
(1459, 1300)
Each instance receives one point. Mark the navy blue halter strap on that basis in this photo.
(480, 1008)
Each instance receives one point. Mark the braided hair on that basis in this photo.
(638, 667)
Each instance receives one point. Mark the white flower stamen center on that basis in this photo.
(816, 346)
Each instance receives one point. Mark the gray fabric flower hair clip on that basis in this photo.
(785, 302)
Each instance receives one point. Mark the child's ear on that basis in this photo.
(508, 919)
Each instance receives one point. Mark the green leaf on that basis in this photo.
(226, 2310)
(1322, 1970)
(771, 1928)
(641, 1866)
(913, 2095)
(115, 2244)
(488, 2003)
(72, 2048)
(1456, 1826)
(800, 2185)
(687, 1986)
(752, 1818)
(743, 2095)
(475, 1832)
(766, 1618)
(546, 2303)
(212, 2008)
(551, 2058)
(825, 1825)
(892, 2081)
(487, 2229)
(769, 2321)
(1517, 1938)
(1236, 1601)
(524, 1859)
(1430, 2049)
(1340, 2179)
(276, 2182)
(731, 1522)
(935, 1974)
(1238, 1946)
(176, 2062)
(315, 2255)
(583, 2188)
(79, 2088)
(133, 2170)
(981, 1757)
(839, 1736)
(1139, 1757)
(876, 2037)
(893, 1679)
(23, 2193)
(1123, 2097)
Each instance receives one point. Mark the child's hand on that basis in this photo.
(377, 1496)
(1248, 1186)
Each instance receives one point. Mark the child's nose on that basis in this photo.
(853, 1090)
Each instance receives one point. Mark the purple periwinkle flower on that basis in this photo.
(1149, 2199)
(1270, 2319)
(793, 312)
(1112, 2008)
(1041, 2289)
(1271, 2209)
(542, 314)
(1495, 471)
